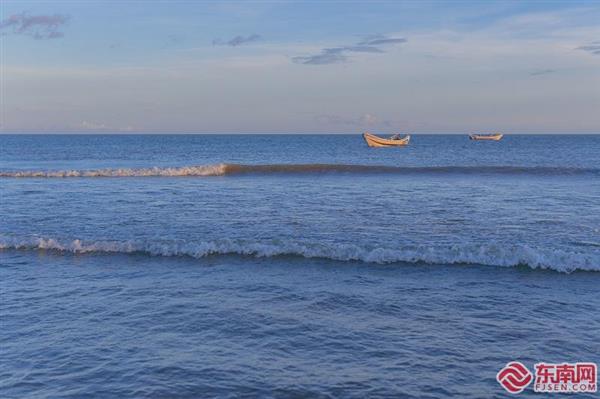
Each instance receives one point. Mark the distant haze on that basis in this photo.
(300, 67)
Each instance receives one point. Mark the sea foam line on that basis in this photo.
(205, 170)
(237, 169)
(470, 254)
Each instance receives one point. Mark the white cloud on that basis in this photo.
(97, 126)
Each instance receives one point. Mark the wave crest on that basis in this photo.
(466, 254)
(206, 170)
(223, 169)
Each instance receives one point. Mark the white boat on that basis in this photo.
(394, 141)
(491, 137)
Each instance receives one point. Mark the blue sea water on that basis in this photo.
(293, 265)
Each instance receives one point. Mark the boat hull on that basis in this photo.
(488, 137)
(375, 141)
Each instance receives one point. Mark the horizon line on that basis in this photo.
(149, 133)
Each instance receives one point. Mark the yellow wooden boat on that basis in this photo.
(394, 141)
(491, 137)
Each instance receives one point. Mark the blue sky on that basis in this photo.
(300, 66)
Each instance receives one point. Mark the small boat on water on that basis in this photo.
(394, 141)
(491, 137)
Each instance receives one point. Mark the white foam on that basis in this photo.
(205, 170)
(476, 254)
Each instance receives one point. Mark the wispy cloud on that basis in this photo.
(334, 55)
(326, 56)
(376, 40)
(37, 26)
(362, 49)
(593, 48)
(542, 72)
(364, 120)
(101, 127)
(237, 40)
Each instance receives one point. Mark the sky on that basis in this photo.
(300, 66)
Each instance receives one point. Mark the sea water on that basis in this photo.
(293, 265)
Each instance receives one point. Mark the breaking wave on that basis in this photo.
(224, 169)
(207, 170)
(465, 254)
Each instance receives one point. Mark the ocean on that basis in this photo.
(288, 266)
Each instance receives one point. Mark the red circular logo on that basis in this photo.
(514, 377)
